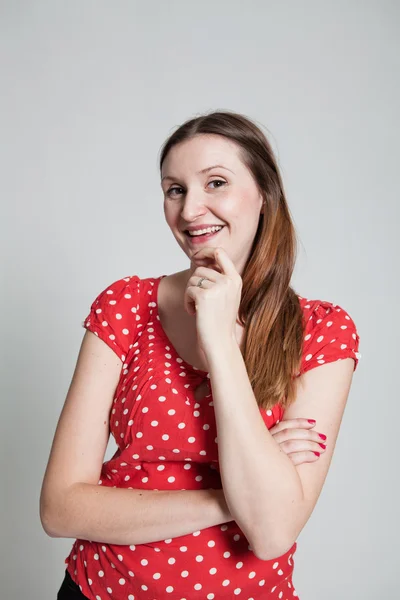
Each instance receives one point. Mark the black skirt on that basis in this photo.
(69, 590)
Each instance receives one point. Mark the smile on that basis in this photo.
(201, 238)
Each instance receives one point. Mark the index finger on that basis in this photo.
(294, 423)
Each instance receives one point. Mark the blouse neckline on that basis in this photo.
(157, 320)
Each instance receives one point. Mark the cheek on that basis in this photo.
(170, 214)
(232, 206)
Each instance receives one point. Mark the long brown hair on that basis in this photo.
(269, 310)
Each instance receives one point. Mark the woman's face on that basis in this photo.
(224, 195)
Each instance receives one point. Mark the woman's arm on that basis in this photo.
(269, 497)
(123, 516)
(72, 504)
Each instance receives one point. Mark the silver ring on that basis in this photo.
(201, 281)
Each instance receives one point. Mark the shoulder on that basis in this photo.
(124, 290)
(119, 310)
(330, 333)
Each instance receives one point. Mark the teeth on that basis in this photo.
(203, 231)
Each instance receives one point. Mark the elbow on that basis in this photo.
(269, 545)
(48, 527)
(273, 546)
(48, 518)
(273, 552)
(48, 524)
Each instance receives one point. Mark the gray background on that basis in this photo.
(89, 91)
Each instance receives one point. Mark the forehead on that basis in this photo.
(200, 152)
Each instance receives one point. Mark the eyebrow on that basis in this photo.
(199, 172)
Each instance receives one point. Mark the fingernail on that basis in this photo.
(317, 453)
(311, 421)
(322, 445)
(321, 435)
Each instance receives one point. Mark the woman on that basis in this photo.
(221, 453)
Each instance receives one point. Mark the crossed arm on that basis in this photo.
(269, 497)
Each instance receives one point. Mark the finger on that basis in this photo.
(219, 256)
(298, 434)
(299, 458)
(207, 272)
(225, 262)
(190, 299)
(293, 423)
(192, 289)
(290, 446)
(205, 256)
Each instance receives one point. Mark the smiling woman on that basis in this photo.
(208, 379)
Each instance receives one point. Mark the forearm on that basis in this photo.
(261, 485)
(135, 516)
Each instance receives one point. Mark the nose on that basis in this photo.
(193, 206)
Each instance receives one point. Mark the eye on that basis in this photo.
(169, 192)
(172, 189)
(217, 181)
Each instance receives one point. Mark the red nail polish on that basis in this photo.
(311, 421)
(317, 453)
(321, 435)
(322, 445)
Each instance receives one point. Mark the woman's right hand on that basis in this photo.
(298, 440)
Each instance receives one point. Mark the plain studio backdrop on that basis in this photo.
(89, 92)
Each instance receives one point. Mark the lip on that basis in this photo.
(202, 239)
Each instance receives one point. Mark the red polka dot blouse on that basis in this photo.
(167, 441)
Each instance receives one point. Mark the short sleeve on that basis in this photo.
(113, 315)
(330, 335)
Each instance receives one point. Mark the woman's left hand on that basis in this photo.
(216, 302)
